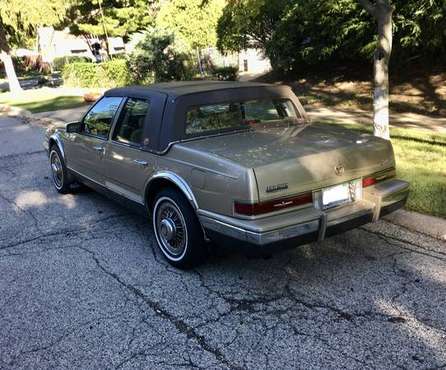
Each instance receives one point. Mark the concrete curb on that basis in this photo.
(27, 117)
(12, 111)
(413, 221)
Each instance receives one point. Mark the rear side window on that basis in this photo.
(130, 126)
(214, 118)
(98, 120)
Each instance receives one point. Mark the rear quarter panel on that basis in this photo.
(215, 182)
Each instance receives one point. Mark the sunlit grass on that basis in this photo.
(421, 160)
(41, 100)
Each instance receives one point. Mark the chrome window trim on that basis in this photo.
(113, 120)
(117, 117)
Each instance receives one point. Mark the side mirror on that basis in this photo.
(73, 127)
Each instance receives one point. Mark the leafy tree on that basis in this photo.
(19, 20)
(193, 21)
(249, 23)
(295, 33)
(158, 56)
(105, 18)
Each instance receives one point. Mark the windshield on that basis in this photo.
(253, 114)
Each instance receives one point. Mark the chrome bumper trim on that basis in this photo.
(395, 191)
(258, 238)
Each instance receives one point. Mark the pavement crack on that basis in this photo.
(26, 154)
(24, 210)
(161, 312)
(66, 232)
(396, 242)
(59, 339)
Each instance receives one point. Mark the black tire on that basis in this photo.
(177, 230)
(60, 176)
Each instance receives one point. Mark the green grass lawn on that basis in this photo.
(41, 100)
(421, 160)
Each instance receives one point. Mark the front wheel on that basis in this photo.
(177, 230)
(59, 171)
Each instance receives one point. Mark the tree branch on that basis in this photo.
(386, 4)
(371, 9)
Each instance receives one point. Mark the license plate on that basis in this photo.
(335, 195)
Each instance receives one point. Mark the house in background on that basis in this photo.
(250, 62)
(53, 44)
(253, 62)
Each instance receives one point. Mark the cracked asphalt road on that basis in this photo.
(83, 286)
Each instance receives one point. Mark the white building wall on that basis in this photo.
(253, 61)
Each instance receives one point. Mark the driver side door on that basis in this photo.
(85, 150)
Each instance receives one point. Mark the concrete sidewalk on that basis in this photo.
(402, 120)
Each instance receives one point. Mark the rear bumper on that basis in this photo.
(308, 225)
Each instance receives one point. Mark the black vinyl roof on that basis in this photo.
(179, 88)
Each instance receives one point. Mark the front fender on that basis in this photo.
(57, 139)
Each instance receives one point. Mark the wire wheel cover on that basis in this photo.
(170, 227)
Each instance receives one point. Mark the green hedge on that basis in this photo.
(107, 74)
(229, 73)
(59, 62)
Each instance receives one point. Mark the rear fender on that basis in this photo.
(177, 181)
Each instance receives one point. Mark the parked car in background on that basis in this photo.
(230, 162)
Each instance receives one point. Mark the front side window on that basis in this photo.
(130, 126)
(214, 118)
(98, 120)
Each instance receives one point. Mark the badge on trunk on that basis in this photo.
(339, 169)
(278, 187)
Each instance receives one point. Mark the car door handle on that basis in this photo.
(99, 149)
(141, 162)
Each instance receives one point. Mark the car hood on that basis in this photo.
(302, 157)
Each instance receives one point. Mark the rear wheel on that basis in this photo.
(59, 171)
(177, 230)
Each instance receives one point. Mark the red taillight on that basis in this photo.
(377, 177)
(368, 181)
(253, 209)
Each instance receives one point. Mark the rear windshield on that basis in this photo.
(221, 117)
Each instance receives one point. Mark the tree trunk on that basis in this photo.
(381, 71)
(382, 11)
(13, 81)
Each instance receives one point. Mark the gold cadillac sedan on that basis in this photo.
(228, 162)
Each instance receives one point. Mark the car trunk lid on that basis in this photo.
(295, 159)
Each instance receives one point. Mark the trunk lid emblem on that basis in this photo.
(339, 169)
(278, 187)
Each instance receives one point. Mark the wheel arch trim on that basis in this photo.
(176, 180)
(56, 138)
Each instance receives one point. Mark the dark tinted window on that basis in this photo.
(99, 119)
(239, 115)
(130, 125)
